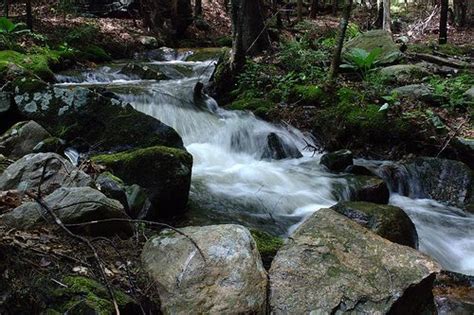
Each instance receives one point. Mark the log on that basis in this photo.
(444, 61)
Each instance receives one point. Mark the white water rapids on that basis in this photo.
(231, 183)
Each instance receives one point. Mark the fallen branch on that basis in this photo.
(449, 139)
(444, 61)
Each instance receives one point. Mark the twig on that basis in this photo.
(58, 221)
(448, 141)
(163, 225)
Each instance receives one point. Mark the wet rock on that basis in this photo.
(148, 41)
(26, 173)
(444, 180)
(107, 123)
(164, 173)
(21, 139)
(333, 265)
(278, 149)
(160, 54)
(51, 144)
(142, 71)
(465, 150)
(376, 39)
(73, 205)
(469, 95)
(337, 161)
(112, 187)
(139, 204)
(371, 189)
(454, 293)
(231, 279)
(392, 223)
(4, 163)
(404, 73)
(359, 170)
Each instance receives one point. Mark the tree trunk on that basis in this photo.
(387, 21)
(334, 7)
(29, 15)
(249, 31)
(299, 10)
(443, 22)
(336, 59)
(198, 8)
(314, 9)
(5, 8)
(460, 12)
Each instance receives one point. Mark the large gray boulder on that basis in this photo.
(278, 149)
(26, 173)
(392, 223)
(416, 91)
(231, 279)
(73, 205)
(21, 139)
(404, 73)
(81, 115)
(376, 39)
(337, 161)
(370, 189)
(332, 265)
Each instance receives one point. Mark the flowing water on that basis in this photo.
(233, 184)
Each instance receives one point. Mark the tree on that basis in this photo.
(336, 60)
(387, 21)
(29, 15)
(5, 8)
(334, 7)
(299, 10)
(314, 9)
(198, 8)
(443, 22)
(249, 32)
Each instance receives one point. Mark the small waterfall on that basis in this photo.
(233, 184)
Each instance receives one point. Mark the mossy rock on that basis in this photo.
(164, 173)
(307, 94)
(268, 246)
(83, 296)
(387, 221)
(204, 54)
(81, 114)
(403, 73)
(93, 53)
(376, 39)
(37, 64)
(259, 106)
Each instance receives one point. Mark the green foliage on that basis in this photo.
(267, 245)
(299, 56)
(10, 32)
(81, 35)
(453, 90)
(361, 60)
(37, 63)
(307, 94)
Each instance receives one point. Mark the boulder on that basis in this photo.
(337, 161)
(469, 95)
(73, 205)
(392, 223)
(81, 114)
(332, 265)
(278, 149)
(26, 173)
(4, 163)
(164, 173)
(454, 293)
(231, 279)
(370, 189)
(359, 170)
(416, 91)
(404, 74)
(142, 71)
(465, 150)
(444, 180)
(376, 39)
(160, 54)
(149, 41)
(139, 205)
(21, 139)
(51, 144)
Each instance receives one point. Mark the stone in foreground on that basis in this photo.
(332, 265)
(26, 173)
(231, 280)
(73, 205)
(337, 161)
(21, 139)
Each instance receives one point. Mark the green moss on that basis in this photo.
(123, 159)
(224, 41)
(204, 54)
(94, 53)
(267, 245)
(251, 104)
(29, 84)
(87, 293)
(307, 94)
(38, 64)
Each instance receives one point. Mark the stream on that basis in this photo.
(231, 182)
